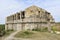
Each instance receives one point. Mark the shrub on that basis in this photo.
(36, 29)
(41, 30)
(27, 32)
(10, 30)
(2, 27)
(45, 29)
(2, 30)
(53, 28)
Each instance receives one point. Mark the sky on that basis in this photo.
(9, 7)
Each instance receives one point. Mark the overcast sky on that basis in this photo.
(9, 7)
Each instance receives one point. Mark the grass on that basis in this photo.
(8, 32)
(34, 35)
(24, 34)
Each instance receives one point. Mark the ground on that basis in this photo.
(7, 34)
(11, 36)
(43, 36)
(0, 38)
(35, 36)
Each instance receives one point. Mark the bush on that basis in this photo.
(41, 30)
(53, 28)
(2, 27)
(2, 30)
(45, 29)
(27, 32)
(10, 30)
(36, 29)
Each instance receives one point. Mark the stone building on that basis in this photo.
(31, 18)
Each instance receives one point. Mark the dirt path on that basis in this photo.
(0, 38)
(11, 36)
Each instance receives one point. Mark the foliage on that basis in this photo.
(45, 29)
(10, 30)
(3, 32)
(27, 32)
(36, 29)
(41, 30)
(2, 27)
(53, 28)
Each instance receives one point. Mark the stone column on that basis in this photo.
(6, 26)
(49, 27)
(6, 20)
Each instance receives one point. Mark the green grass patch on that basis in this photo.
(24, 34)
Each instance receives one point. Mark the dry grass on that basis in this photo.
(41, 36)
